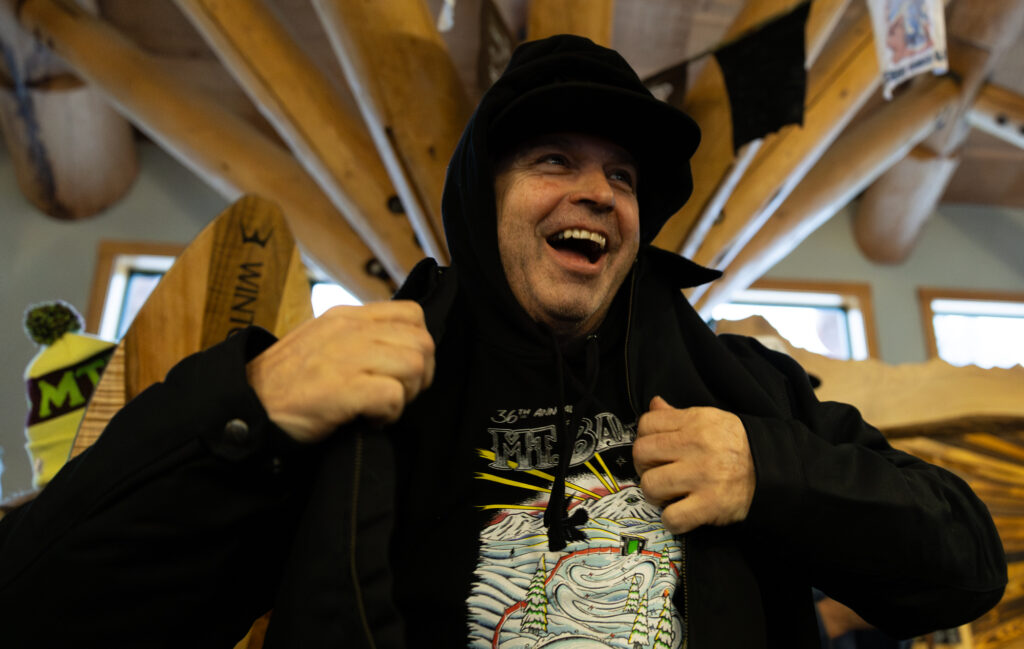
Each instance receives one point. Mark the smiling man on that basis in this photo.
(541, 445)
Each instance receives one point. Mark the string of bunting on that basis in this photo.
(763, 68)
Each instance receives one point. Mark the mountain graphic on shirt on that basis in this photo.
(613, 589)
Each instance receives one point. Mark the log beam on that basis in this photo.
(842, 80)
(999, 112)
(221, 148)
(892, 212)
(979, 35)
(73, 154)
(590, 18)
(716, 171)
(410, 95)
(856, 159)
(306, 110)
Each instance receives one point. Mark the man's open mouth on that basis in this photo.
(583, 242)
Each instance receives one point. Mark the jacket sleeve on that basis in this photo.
(904, 543)
(173, 524)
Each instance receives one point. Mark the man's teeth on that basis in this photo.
(583, 235)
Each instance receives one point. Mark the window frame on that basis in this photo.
(925, 295)
(854, 295)
(107, 252)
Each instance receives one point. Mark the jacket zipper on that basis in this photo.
(636, 415)
(357, 465)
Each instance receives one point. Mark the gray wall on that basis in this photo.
(41, 259)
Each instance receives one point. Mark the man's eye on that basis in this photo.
(622, 176)
(555, 159)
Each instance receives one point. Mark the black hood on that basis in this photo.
(569, 84)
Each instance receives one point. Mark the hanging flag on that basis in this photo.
(496, 44)
(910, 38)
(765, 77)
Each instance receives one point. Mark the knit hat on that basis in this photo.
(59, 381)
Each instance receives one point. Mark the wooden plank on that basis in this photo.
(242, 269)
(837, 92)
(307, 111)
(221, 148)
(716, 171)
(959, 460)
(590, 18)
(856, 159)
(999, 111)
(933, 396)
(410, 96)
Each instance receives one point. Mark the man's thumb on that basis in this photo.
(657, 403)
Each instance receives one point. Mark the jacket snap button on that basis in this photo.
(236, 430)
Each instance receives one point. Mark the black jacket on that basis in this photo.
(173, 529)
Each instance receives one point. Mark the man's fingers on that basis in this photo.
(393, 310)
(666, 483)
(380, 398)
(685, 514)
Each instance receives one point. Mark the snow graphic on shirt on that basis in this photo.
(613, 589)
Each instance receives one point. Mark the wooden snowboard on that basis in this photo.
(242, 269)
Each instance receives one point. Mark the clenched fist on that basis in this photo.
(370, 360)
(695, 463)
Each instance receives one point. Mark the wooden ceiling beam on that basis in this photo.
(842, 80)
(895, 208)
(999, 112)
(221, 148)
(858, 156)
(716, 170)
(306, 110)
(590, 18)
(410, 95)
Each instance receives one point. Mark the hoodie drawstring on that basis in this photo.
(563, 528)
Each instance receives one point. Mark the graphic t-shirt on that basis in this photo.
(614, 589)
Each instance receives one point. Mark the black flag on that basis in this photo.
(765, 77)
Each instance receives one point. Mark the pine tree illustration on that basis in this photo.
(663, 637)
(640, 634)
(633, 598)
(536, 618)
(664, 567)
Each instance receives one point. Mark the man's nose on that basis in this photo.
(593, 190)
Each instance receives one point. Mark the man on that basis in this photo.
(547, 447)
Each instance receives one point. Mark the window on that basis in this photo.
(973, 327)
(834, 319)
(128, 271)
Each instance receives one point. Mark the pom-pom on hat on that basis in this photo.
(570, 84)
(46, 322)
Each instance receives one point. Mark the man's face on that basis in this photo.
(568, 227)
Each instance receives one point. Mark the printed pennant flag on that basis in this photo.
(765, 77)
(496, 44)
(910, 38)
